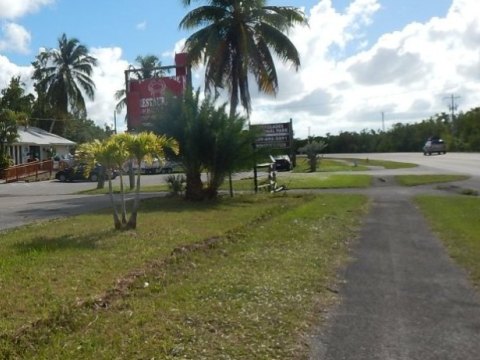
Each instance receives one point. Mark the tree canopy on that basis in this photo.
(237, 40)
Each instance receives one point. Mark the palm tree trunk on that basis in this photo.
(132, 221)
(116, 219)
(194, 187)
(124, 206)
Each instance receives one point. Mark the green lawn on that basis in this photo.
(246, 279)
(457, 220)
(415, 180)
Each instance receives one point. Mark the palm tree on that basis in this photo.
(142, 147)
(237, 40)
(149, 68)
(63, 73)
(209, 139)
(112, 153)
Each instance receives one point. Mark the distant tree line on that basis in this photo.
(462, 133)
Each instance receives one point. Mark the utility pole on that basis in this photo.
(453, 105)
(383, 121)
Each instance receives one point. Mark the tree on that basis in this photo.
(209, 141)
(14, 98)
(113, 153)
(8, 134)
(62, 74)
(312, 149)
(149, 68)
(142, 147)
(236, 41)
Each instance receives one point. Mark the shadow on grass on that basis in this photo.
(180, 204)
(64, 242)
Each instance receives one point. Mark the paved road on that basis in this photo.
(23, 203)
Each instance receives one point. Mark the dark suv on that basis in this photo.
(283, 163)
(434, 145)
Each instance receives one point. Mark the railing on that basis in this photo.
(24, 171)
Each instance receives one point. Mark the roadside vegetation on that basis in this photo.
(457, 221)
(415, 180)
(183, 285)
(290, 180)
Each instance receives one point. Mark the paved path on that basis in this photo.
(404, 298)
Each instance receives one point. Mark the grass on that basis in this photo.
(308, 181)
(291, 180)
(457, 220)
(386, 164)
(327, 165)
(248, 286)
(415, 180)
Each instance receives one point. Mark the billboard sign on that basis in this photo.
(278, 136)
(146, 95)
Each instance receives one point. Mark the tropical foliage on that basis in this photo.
(312, 149)
(63, 75)
(460, 134)
(113, 153)
(148, 68)
(237, 40)
(209, 140)
(8, 134)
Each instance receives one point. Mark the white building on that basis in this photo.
(36, 143)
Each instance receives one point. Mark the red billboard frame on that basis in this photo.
(144, 96)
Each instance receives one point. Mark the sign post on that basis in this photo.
(274, 136)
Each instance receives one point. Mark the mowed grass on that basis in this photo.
(415, 180)
(290, 180)
(307, 181)
(248, 283)
(384, 163)
(327, 165)
(457, 220)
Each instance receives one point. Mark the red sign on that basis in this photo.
(145, 96)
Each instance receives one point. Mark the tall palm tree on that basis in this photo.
(64, 74)
(236, 40)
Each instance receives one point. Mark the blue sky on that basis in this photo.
(151, 26)
(359, 57)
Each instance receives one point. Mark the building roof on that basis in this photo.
(37, 136)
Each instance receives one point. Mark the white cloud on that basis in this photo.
(15, 38)
(141, 26)
(11, 9)
(9, 69)
(108, 77)
(407, 74)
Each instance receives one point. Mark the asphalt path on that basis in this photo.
(403, 298)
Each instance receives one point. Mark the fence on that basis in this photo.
(29, 170)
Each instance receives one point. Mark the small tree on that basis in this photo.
(312, 150)
(112, 153)
(209, 141)
(8, 134)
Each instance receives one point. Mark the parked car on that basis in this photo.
(170, 167)
(283, 163)
(434, 145)
(77, 172)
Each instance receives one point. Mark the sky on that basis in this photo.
(365, 64)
